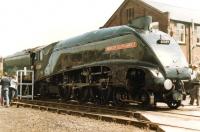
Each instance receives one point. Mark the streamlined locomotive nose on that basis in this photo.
(177, 73)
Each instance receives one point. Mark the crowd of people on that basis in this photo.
(8, 89)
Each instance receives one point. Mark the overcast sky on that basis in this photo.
(30, 23)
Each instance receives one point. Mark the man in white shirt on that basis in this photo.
(13, 87)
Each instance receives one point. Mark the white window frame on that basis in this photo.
(180, 32)
(197, 31)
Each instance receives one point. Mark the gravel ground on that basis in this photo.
(14, 119)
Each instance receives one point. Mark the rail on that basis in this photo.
(105, 114)
(108, 113)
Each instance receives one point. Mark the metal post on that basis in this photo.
(192, 43)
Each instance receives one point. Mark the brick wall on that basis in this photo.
(186, 45)
(138, 9)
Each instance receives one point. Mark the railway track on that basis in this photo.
(101, 113)
(105, 113)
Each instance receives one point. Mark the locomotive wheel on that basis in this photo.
(119, 95)
(173, 104)
(83, 95)
(103, 96)
(44, 92)
(68, 92)
(92, 95)
(100, 96)
(145, 98)
(65, 93)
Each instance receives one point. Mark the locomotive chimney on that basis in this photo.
(141, 22)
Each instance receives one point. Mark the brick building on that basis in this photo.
(183, 24)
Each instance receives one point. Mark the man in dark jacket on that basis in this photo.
(5, 82)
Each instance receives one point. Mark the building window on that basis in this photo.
(198, 35)
(130, 14)
(180, 33)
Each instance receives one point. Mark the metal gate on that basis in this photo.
(25, 80)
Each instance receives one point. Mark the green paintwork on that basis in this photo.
(41, 60)
(90, 47)
(16, 62)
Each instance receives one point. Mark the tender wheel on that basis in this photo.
(174, 104)
(44, 92)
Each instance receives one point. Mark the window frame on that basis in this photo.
(197, 32)
(130, 14)
(180, 29)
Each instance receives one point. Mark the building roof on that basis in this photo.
(175, 12)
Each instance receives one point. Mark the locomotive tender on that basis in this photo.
(118, 64)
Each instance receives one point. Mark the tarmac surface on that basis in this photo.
(186, 117)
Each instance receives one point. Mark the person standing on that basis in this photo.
(5, 82)
(13, 87)
(195, 90)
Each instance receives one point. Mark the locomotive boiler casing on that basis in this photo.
(123, 49)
